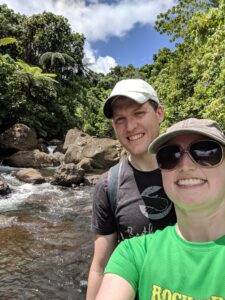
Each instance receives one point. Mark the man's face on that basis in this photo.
(192, 187)
(136, 125)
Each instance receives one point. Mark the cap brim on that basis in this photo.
(137, 97)
(164, 138)
(107, 108)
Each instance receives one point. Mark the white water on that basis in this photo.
(51, 149)
(46, 230)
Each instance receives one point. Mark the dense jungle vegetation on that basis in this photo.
(45, 84)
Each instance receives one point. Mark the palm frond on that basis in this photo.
(7, 40)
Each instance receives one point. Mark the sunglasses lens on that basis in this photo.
(168, 157)
(206, 153)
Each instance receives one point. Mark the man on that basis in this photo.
(190, 254)
(142, 206)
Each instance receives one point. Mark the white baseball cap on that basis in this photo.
(135, 89)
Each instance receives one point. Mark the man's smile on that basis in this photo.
(135, 137)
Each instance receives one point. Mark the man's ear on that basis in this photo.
(160, 113)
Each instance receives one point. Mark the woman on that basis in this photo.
(184, 261)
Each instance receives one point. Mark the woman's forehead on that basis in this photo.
(187, 138)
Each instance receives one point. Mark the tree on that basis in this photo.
(57, 62)
(176, 21)
(47, 32)
(190, 81)
(10, 26)
(29, 96)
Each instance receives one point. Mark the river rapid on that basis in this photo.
(45, 241)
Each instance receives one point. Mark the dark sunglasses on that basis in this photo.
(206, 153)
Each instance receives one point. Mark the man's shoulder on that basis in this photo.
(117, 170)
(104, 178)
(123, 161)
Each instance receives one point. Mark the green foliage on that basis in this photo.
(60, 63)
(7, 41)
(53, 57)
(91, 114)
(35, 72)
(39, 34)
(27, 95)
(189, 80)
(176, 21)
(10, 26)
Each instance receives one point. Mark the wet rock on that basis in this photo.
(72, 136)
(4, 188)
(55, 142)
(91, 179)
(85, 164)
(30, 159)
(102, 152)
(18, 137)
(30, 175)
(6, 221)
(58, 157)
(68, 174)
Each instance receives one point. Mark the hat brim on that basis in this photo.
(164, 138)
(137, 97)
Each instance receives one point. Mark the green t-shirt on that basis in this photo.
(163, 266)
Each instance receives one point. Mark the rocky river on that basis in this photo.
(46, 242)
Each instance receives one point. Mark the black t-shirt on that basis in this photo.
(157, 207)
(142, 205)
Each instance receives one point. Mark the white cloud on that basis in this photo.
(102, 21)
(100, 64)
(98, 20)
(104, 64)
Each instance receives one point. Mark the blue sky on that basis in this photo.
(118, 32)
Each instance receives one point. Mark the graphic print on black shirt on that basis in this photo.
(156, 205)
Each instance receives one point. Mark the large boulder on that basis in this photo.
(30, 159)
(68, 175)
(30, 175)
(72, 136)
(102, 152)
(18, 137)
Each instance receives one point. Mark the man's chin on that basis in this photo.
(138, 152)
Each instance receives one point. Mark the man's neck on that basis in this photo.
(145, 162)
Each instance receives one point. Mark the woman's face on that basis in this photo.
(190, 186)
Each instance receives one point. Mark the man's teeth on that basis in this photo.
(192, 181)
(135, 137)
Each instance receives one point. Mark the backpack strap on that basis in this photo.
(113, 180)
